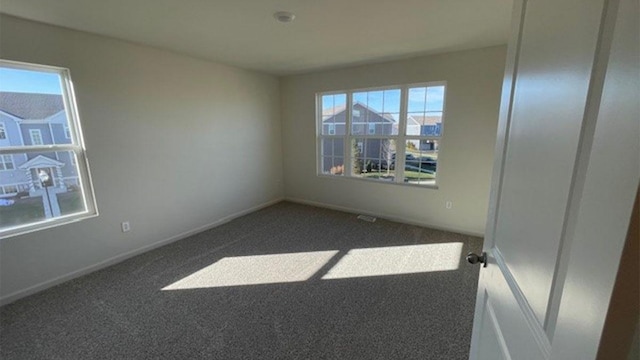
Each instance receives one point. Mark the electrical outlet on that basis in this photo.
(126, 226)
(448, 204)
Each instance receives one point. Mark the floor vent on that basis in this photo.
(367, 218)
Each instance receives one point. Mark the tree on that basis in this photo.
(356, 165)
(388, 150)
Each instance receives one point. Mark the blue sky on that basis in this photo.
(14, 80)
(421, 100)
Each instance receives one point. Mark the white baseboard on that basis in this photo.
(383, 216)
(129, 254)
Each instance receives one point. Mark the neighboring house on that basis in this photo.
(28, 119)
(366, 121)
(427, 126)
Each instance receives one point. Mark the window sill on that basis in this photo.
(418, 186)
(46, 224)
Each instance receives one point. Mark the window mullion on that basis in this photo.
(348, 162)
(401, 141)
(39, 149)
(72, 109)
(319, 123)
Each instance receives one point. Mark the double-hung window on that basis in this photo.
(6, 162)
(390, 134)
(40, 188)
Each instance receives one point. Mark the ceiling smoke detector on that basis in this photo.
(284, 16)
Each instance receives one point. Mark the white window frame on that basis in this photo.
(67, 131)
(5, 162)
(72, 158)
(76, 146)
(33, 133)
(400, 139)
(3, 131)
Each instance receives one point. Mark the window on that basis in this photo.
(36, 137)
(6, 162)
(3, 132)
(8, 190)
(72, 157)
(40, 194)
(394, 133)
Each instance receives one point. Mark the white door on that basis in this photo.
(564, 180)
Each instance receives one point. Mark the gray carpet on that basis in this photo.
(356, 312)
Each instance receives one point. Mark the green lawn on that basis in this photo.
(379, 175)
(414, 175)
(23, 211)
(417, 153)
(70, 202)
(30, 210)
(410, 176)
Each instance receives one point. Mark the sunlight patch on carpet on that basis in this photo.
(255, 270)
(396, 260)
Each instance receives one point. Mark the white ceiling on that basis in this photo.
(325, 33)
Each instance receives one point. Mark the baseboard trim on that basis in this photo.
(382, 216)
(127, 255)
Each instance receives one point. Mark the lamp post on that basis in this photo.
(46, 181)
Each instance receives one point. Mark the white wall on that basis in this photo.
(178, 144)
(474, 80)
(174, 143)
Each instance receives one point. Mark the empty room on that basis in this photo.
(296, 179)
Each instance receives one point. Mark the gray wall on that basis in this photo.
(474, 80)
(175, 145)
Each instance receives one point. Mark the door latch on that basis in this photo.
(473, 258)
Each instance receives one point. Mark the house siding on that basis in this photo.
(16, 176)
(57, 123)
(431, 130)
(68, 170)
(13, 131)
(44, 130)
(52, 131)
(57, 130)
(361, 121)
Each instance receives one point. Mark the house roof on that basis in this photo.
(412, 122)
(30, 106)
(333, 111)
(40, 161)
(426, 120)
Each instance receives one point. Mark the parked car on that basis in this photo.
(424, 164)
(412, 163)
